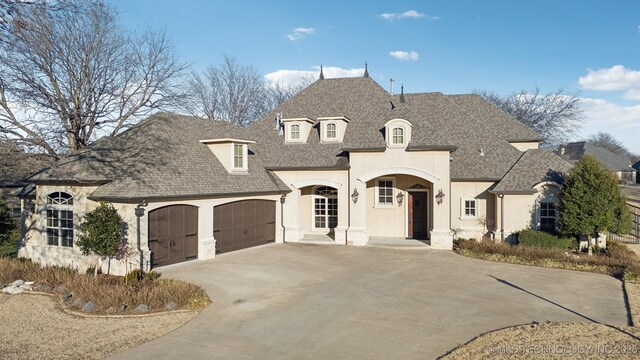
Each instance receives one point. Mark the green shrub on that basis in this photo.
(543, 239)
(133, 276)
(7, 225)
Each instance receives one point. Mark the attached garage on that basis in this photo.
(242, 224)
(173, 234)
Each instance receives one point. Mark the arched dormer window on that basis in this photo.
(331, 131)
(59, 215)
(398, 136)
(398, 133)
(295, 132)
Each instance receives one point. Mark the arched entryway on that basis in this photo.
(173, 234)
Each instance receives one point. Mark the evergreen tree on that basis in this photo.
(101, 233)
(591, 202)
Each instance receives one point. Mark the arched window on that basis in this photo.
(331, 131)
(295, 132)
(325, 208)
(59, 210)
(398, 135)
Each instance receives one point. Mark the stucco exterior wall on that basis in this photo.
(297, 208)
(432, 166)
(521, 211)
(524, 146)
(472, 227)
(36, 248)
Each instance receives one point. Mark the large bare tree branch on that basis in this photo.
(82, 74)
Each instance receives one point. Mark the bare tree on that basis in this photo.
(556, 116)
(72, 73)
(236, 93)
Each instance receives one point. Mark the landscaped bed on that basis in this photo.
(105, 294)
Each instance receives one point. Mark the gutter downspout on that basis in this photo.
(501, 196)
(346, 231)
(284, 230)
(139, 212)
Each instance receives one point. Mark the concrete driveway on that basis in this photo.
(335, 302)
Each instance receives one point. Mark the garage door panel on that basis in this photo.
(251, 223)
(173, 234)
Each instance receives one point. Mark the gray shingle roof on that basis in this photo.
(533, 167)
(466, 122)
(162, 157)
(574, 151)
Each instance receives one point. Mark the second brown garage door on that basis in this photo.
(244, 224)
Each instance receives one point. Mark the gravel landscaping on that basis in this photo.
(554, 340)
(34, 328)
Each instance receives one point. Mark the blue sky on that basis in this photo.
(448, 46)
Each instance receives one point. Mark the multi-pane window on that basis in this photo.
(331, 131)
(398, 135)
(238, 156)
(325, 208)
(385, 192)
(295, 132)
(548, 216)
(470, 207)
(59, 211)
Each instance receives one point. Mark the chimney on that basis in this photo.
(279, 126)
(321, 73)
(401, 94)
(562, 148)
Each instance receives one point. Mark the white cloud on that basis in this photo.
(623, 122)
(409, 14)
(289, 77)
(299, 33)
(616, 77)
(405, 55)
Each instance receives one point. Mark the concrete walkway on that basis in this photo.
(298, 301)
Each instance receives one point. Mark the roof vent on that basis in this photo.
(481, 152)
(402, 94)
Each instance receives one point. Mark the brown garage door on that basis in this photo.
(173, 234)
(243, 224)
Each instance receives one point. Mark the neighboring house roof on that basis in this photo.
(465, 122)
(574, 151)
(636, 165)
(161, 157)
(534, 167)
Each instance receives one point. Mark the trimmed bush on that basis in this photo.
(543, 239)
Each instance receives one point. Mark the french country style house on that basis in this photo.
(344, 160)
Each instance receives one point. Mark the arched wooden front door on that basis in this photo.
(173, 234)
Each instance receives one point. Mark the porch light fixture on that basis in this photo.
(440, 197)
(354, 195)
(400, 197)
(283, 198)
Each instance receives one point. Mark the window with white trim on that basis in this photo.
(470, 207)
(59, 215)
(384, 192)
(325, 208)
(331, 131)
(397, 136)
(294, 134)
(548, 216)
(238, 156)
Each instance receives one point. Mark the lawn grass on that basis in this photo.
(109, 293)
(617, 260)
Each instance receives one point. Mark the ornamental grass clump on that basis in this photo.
(109, 293)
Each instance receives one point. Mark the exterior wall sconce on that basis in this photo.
(400, 197)
(440, 197)
(283, 198)
(354, 196)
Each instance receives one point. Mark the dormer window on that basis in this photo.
(397, 133)
(331, 131)
(233, 154)
(295, 132)
(332, 128)
(238, 156)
